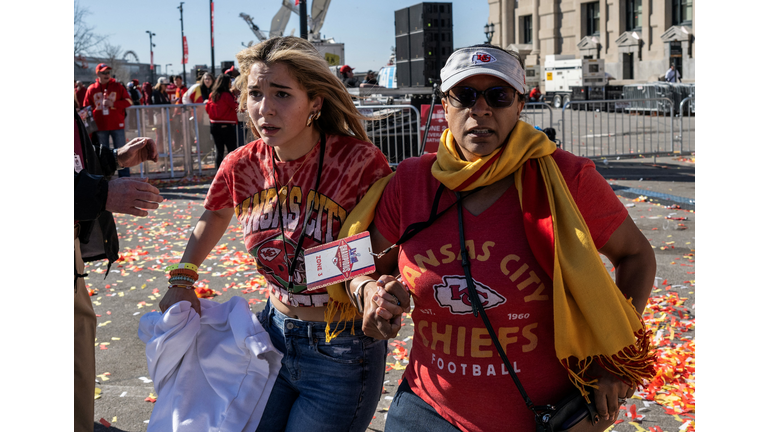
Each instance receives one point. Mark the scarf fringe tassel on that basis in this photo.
(347, 313)
(632, 365)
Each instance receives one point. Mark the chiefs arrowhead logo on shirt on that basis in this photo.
(482, 57)
(453, 294)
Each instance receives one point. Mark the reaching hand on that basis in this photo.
(137, 151)
(131, 195)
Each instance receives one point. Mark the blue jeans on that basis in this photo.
(322, 386)
(409, 412)
(118, 140)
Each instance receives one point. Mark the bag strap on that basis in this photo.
(417, 227)
(477, 307)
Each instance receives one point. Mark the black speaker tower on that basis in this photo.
(423, 43)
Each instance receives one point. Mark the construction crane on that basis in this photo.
(254, 28)
(315, 20)
(283, 15)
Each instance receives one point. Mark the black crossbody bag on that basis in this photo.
(549, 418)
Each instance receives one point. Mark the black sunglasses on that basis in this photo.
(495, 97)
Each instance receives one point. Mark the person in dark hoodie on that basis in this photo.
(97, 196)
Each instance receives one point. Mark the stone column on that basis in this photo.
(603, 50)
(535, 19)
(645, 22)
(506, 27)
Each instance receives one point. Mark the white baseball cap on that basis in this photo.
(482, 60)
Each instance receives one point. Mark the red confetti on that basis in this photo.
(104, 422)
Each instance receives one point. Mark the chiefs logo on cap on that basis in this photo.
(454, 294)
(482, 58)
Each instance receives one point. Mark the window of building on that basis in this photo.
(527, 29)
(682, 12)
(593, 19)
(634, 11)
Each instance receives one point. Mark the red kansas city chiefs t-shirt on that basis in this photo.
(453, 364)
(245, 181)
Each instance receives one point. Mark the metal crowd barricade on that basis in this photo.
(687, 129)
(182, 134)
(536, 113)
(624, 128)
(394, 129)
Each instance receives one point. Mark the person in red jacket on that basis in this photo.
(80, 93)
(146, 92)
(108, 99)
(535, 95)
(222, 110)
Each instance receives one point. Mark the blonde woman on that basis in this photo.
(292, 189)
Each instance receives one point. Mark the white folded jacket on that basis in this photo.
(213, 373)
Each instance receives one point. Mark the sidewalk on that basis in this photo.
(667, 180)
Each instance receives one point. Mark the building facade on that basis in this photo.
(638, 39)
(122, 70)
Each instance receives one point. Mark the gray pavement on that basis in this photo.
(136, 283)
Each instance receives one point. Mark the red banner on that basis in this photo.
(151, 60)
(436, 127)
(185, 59)
(211, 24)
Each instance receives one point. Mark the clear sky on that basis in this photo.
(366, 27)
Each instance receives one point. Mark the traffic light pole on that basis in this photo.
(183, 65)
(213, 63)
(303, 19)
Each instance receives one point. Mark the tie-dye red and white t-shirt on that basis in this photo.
(246, 182)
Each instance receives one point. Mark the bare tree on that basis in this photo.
(113, 56)
(85, 39)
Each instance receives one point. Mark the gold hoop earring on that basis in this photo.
(312, 117)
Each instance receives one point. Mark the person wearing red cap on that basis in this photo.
(109, 99)
(232, 72)
(349, 79)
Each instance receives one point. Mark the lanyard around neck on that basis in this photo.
(308, 212)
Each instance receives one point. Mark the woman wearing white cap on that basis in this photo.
(501, 230)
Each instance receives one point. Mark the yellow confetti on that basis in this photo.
(104, 343)
(114, 419)
(104, 323)
(115, 338)
(397, 365)
(96, 393)
(120, 294)
(103, 377)
(143, 286)
(133, 287)
(96, 303)
(638, 427)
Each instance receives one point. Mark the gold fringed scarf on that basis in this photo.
(593, 319)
